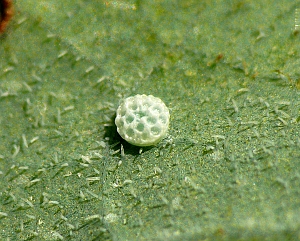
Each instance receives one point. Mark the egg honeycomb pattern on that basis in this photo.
(142, 120)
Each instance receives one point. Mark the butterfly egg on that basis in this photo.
(142, 120)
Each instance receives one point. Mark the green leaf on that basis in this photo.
(229, 73)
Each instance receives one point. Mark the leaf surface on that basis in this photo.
(229, 73)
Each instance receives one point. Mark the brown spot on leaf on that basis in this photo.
(6, 13)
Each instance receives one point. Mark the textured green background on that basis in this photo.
(228, 71)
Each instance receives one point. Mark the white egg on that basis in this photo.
(142, 120)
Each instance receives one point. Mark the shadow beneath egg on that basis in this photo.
(115, 141)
